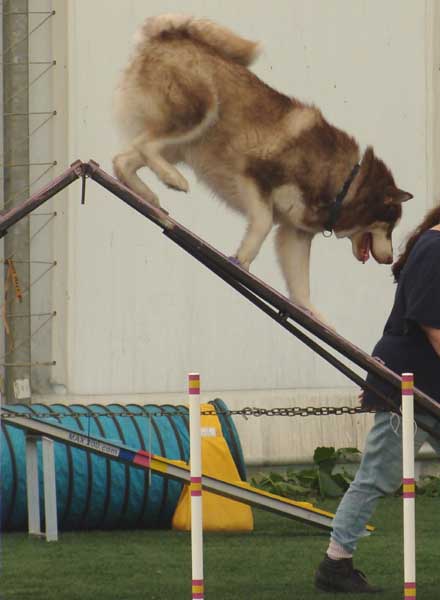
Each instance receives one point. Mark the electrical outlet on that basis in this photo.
(22, 389)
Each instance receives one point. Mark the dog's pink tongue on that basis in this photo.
(365, 247)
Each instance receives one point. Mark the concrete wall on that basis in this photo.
(137, 313)
(42, 156)
(41, 171)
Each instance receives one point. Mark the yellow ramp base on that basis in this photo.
(219, 513)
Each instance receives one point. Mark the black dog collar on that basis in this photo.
(335, 208)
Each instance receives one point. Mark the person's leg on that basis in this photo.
(435, 425)
(379, 473)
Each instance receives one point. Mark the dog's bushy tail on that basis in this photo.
(220, 39)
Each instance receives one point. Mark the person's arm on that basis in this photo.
(433, 336)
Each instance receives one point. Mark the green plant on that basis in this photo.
(324, 480)
(428, 485)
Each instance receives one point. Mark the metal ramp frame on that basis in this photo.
(240, 491)
(274, 304)
(271, 302)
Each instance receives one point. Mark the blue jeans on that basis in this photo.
(379, 473)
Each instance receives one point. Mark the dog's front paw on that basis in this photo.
(243, 261)
(236, 261)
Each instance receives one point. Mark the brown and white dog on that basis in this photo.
(187, 96)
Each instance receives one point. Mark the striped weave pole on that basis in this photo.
(196, 486)
(409, 528)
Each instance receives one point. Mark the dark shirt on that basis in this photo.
(404, 346)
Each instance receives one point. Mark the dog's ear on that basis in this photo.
(366, 167)
(395, 196)
(368, 158)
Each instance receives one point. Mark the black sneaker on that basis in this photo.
(339, 576)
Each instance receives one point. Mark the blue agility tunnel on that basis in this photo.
(95, 492)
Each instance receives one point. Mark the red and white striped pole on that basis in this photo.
(409, 487)
(195, 439)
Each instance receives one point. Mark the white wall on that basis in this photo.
(140, 312)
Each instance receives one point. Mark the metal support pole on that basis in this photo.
(50, 494)
(49, 487)
(16, 184)
(32, 490)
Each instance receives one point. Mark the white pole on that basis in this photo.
(50, 493)
(196, 486)
(409, 525)
(32, 489)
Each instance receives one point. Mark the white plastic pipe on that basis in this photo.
(409, 522)
(196, 486)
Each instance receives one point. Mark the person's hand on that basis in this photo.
(362, 392)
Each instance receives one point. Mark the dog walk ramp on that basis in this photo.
(267, 299)
(271, 302)
(240, 491)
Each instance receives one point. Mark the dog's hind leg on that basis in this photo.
(146, 151)
(188, 112)
(125, 167)
(151, 151)
(260, 220)
(177, 111)
(293, 250)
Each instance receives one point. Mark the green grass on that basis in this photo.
(275, 562)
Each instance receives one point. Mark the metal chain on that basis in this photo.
(292, 411)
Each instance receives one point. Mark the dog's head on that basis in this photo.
(373, 210)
